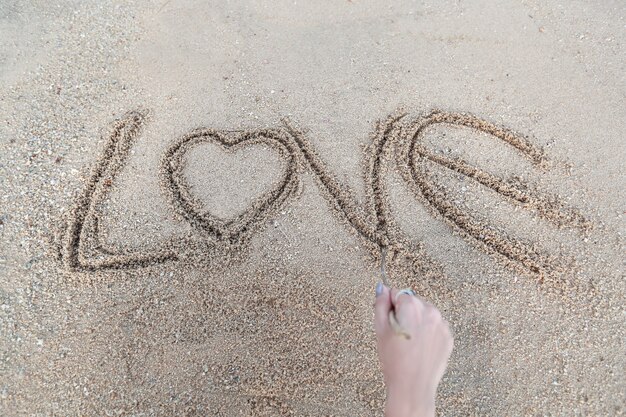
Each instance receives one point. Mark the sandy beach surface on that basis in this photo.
(194, 197)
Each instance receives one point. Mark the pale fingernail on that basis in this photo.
(379, 289)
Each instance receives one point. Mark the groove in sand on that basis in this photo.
(81, 249)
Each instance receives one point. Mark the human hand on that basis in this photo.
(412, 368)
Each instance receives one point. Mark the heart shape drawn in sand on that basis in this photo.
(194, 210)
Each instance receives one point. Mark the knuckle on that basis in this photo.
(433, 313)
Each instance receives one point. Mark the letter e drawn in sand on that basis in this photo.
(395, 139)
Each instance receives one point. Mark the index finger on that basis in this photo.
(382, 306)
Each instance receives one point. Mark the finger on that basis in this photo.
(400, 297)
(382, 305)
(396, 294)
(409, 309)
(432, 313)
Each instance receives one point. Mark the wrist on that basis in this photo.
(400, 404)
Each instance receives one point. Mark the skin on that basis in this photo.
(412, 368)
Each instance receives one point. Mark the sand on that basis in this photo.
(195, 198)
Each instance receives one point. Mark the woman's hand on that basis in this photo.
(412, 367)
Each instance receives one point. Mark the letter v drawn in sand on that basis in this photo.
(395, 140)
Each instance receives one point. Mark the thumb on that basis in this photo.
(382, 305)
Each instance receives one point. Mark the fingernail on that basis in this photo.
(379, 289)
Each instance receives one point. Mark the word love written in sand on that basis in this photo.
(394, 140)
